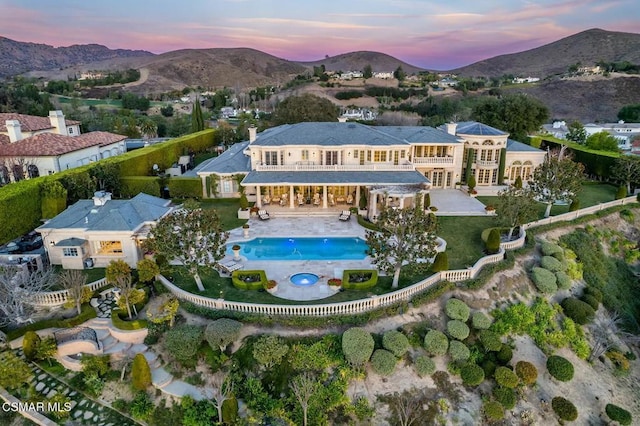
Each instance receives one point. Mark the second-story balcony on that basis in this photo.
(381, 167)
(487, 164)
(433, 160)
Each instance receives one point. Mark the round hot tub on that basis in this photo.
(304, 279)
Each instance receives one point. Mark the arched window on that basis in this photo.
(33, 171)
(4, 175)
(487, 142)
(18, 172)
(515, 170)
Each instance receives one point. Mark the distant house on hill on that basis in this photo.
(31, 146)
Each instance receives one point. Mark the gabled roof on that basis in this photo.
(232, 161)
(29, 123)
(515, 146)
(50, 144)
(114, 215)
(326, 134)
(477, 129)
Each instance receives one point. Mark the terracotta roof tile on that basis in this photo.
(47, 144)
(29, 123)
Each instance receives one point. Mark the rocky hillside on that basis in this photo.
(17, 57)
(587, 47)
(356, 61)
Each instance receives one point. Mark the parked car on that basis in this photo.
(30, 242)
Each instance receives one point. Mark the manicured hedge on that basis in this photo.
(21, 208)
(459, 351)
(424, 366)
(552, 264)
(544, 280)
(395, 342)
(238, 282)
(472, 374)
(179, 187)
(436, 343)
(383, 362)
(595, 162)
(457, 310)
(579, 311)
(120, 321)
(457, 329)
(350, 285)
(505, 396)
(357, 345)
(564, 409)
(527, 372)
(618, 414)
(506, 378)
(560, 368)
(490, 341)
(550, 249)
(563, 280)
(480, 321)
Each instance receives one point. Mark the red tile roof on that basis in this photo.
(29, 123)
(48, 144)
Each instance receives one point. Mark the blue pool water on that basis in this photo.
(304, 279)
(302, 249)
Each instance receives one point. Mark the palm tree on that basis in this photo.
(148, 128)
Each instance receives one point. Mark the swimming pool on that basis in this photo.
(302, 248)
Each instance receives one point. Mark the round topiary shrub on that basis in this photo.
(459, 351)
(383, 362)
(505, 396)
(493, 410)
(436, 343)
(594, 292)
(424, 366)
(552, 264)
(527, 372)
(591, 301)
(560, 368)
(457, 310)
(618, 414)
(472, 374)
(140, 373)
(480, 321)
(505, 354)
(490, 341)
(357, 345)
(621, 192)
(550, 249)
(183, 341)
(457, 329)
(505, 377)
(30, 343)
(441, 262)
(563, 280)
(489, 367)
(395, 342)
(544, 280)
(493, 241)
(577, 310)
(564, 409)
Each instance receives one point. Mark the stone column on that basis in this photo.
(258, 197)
(324, 197)
(291, 197)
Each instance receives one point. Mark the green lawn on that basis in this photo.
(93, 274)
(227, 209)
(462, 234)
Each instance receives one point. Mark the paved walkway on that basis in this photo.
(452, 202)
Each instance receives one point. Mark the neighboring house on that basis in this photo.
(32, 146)
(328, 163)
(94, 232)
(520, 80)
(558, 129)
(624, 132)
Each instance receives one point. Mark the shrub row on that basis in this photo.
(351, 282)
(579, 311)
(179, 187)
(238, 279)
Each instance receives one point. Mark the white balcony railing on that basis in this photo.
(487, 163)
(433, 160)
(337, 167)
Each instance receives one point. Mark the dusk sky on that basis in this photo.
(431, 34)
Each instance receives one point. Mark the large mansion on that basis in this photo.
(32, 146)
(332, 162)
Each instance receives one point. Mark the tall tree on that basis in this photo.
(576, 132)
(367, 71)
(304, 387)
(194, 237)
(517, 114)
(222, 390)
(197, 121)
(399, 74)
(603, 141)
(118, 273)
(515, 206)
(308, 107)
(18, 290)
(407, 237)
(626, 170)
(558, 178)
(74, 282)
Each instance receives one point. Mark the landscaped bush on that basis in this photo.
(575, 205)
(441, 262)
(552, 264)
(86, 314)
(395, 342)
(505, 396)
(120, 320)
(459, 351)
(140, 373)
(618, 414)
(527, 372)
(230, 410)
(493, 241)
(480, 321)
(183, 341)
(457, 329)
(577, 310)
(563, 280)
(457, 310)
(550, 249)
(249, 280)
(424, 366)
(493, 410)
(356, 279)
(30, 343)
(490, 341)
(383, 362)
(222, 332)
(505, 377)
(594, 292)
(564, 409)
(591, 301)
(357, 345)
(560, 368)
(544, 280)
(436, 343)
(471, 374)
(269, 350)
(489, 367)
(505, 354)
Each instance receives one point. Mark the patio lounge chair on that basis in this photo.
(263, 215)
(229, 267)
(345, 215)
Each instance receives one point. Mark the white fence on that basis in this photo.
(57, 298)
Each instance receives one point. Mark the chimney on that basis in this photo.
(100, 198)
(14, 129)
(342, 119)
(252, 133)
(57, 120)
(451, 128)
